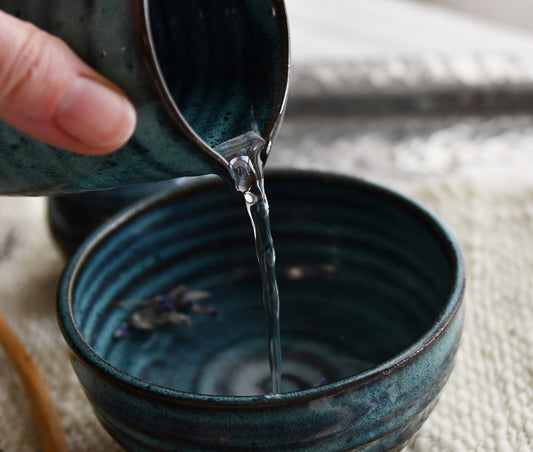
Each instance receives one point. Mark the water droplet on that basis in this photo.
(250, 198)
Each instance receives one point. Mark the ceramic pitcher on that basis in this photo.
(199, 72)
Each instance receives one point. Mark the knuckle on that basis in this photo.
(25, 68)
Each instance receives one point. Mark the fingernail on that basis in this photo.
(95, 114)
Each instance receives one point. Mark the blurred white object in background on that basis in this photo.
(402, 91)
(354, 29)
(513, 12)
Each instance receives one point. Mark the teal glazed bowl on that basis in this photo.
(371, 288)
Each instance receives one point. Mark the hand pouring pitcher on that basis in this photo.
(199, 72)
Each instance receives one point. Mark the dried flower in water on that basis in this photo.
(172, 308)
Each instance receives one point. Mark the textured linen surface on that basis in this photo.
(474, 172)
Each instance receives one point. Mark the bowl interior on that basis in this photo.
(225, 66)
(363, 274)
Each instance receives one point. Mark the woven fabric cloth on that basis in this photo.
(487, 404)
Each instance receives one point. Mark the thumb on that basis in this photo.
(49, 93)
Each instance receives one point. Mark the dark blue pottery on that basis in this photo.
(72, 218)
(198, 71)
(371, 289)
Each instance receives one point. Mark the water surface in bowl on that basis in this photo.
(227, 355)
(362, 275)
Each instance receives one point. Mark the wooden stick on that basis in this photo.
(43, 410)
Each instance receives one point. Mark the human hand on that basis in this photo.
(48, 92)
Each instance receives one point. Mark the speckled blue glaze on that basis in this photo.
(371, 290)
(72, 218)
(199, 72)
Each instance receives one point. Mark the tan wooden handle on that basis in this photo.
(43, 410)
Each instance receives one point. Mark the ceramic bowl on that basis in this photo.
(371, 288)
(72, 218)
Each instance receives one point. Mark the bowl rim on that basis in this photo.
(84, 352)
